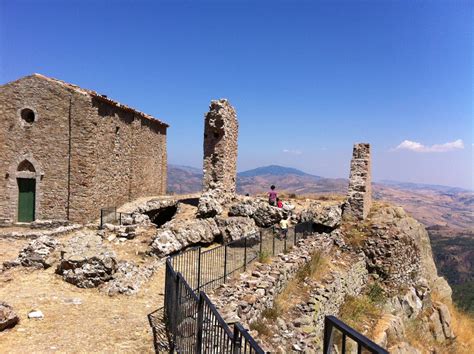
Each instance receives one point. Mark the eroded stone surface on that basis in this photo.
(8, 318)
(174, 236)
(39, 253)
(86, 262)
(128, 278)
(220, 158)
(359, 197)
(236, 227)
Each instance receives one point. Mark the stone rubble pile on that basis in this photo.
(235, 227)
(8, 318)
(39, 253)
(245, 299)
(128, 278)
(86, 262)
(264, 214)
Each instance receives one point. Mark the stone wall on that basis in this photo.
(220, 157)
(88, 152)
(43, 143)
(359, 198)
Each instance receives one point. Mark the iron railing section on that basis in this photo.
(207, 269)
(111, 216)
(360, 341)
(195, 325)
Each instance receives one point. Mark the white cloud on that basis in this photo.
(293, 152)
(418, 147)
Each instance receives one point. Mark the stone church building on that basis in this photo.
(67, 152)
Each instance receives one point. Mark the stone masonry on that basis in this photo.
(84, 150)
(220, 157)
(359, 198)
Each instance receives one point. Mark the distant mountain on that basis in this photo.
(430, 204)
(274, 170)
(418, 186)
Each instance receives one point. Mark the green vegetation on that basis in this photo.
(314, 269)
(260, 327)
(463, 296)
(264, 257)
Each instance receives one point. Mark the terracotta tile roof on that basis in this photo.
(102, 98)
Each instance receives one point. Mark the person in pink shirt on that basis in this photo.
(272, 196)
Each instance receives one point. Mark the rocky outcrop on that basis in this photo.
(236, 227)
(398, 249)
(211, 203)
(329, 215)
(8, 318)
(264, 214)
(86, 262)
(128, 278)
(39, 253)
(174, 236)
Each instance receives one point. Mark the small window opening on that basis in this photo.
(216, 135)
(28, 115)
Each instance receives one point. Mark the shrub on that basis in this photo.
(264, 257)
(261, 327)
(314, 269)
(375, 293)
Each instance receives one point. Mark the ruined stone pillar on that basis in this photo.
(220, 158)
(359, 197)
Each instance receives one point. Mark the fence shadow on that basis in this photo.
(161, 340)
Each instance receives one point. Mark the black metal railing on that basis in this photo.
(111, 216)
(342, 344)
(207, 268)
(195, 325)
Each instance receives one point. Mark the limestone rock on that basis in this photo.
(174, 236)
(329, 216)
(36, 315)
(86, 262)
(403, 348)
(445, 319)
(236, 227)
(39, 253)
(210, 205)
(8, 318)
(127, 279)
(245, 208)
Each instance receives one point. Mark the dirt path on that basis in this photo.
(77, 320)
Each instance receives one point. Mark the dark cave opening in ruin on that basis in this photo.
(161, 216)
(320, 228)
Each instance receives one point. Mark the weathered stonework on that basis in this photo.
(220, 157)
(84, 150)
(359, 197)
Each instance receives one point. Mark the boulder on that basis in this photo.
(236, 227)
(176, 235)
(329, 216)
(39, 253)
(8, 318)
(86, 262)
(267, 215)
(127, 279)
(445, 319)
(210, 205)
(245, 208)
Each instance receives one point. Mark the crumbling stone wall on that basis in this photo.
(88, 152)
(220, 157)
(359, 197)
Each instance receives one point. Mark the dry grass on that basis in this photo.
(315, 269)
(359, 312)
(99, 324)
(355, 233)
(261, 327)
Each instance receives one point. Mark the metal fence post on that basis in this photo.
(237, 342)
(199, 269)
(225, 262)
(245, 253)
(200, 323)
(101, 218)
(261, 242)
(284, 241)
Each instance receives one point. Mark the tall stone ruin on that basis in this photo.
(220, 158)
(359, 197)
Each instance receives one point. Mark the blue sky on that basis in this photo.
(308, 78)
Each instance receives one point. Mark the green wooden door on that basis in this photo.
(26, 199)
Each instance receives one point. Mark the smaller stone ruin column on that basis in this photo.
(359, 197)
(220, 158)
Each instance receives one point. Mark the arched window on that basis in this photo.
(26, 165)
